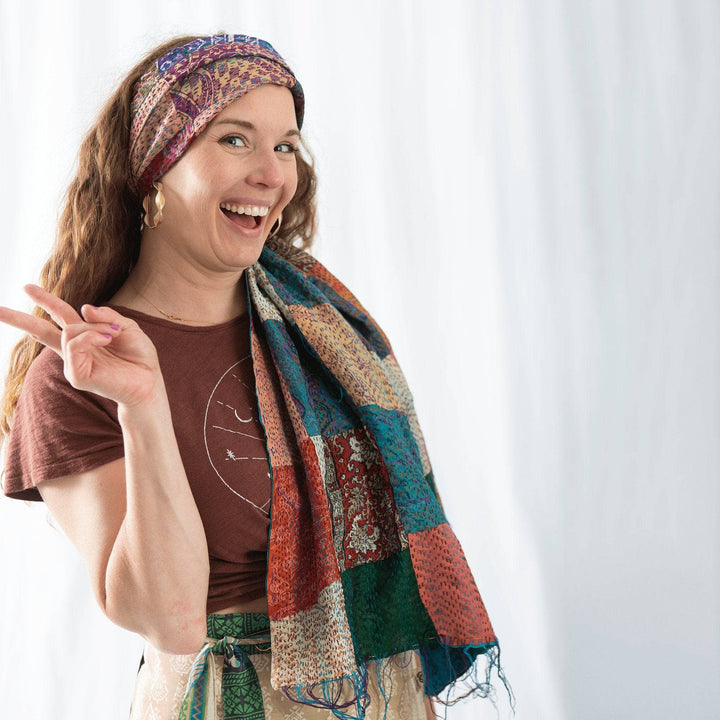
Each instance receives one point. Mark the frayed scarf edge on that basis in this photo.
(333, 695)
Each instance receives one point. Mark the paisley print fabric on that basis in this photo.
(186, 88)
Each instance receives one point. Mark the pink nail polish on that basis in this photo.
(115, 327)
(109, 337)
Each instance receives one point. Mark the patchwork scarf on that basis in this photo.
(362, 561)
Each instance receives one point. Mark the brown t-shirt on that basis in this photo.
(58, 431)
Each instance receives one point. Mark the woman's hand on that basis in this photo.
(102, 351)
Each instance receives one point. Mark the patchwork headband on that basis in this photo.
(188, 87)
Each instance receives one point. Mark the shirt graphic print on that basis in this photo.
(233, 436)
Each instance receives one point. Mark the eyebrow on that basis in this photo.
(249, 126)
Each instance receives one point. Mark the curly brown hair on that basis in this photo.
(98, 235)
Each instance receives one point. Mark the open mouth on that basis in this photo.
(246, 216)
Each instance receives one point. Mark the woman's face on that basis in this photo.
(226, 192)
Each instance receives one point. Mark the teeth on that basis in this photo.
(256, 210)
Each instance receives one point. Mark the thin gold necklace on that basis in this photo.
(168, 315)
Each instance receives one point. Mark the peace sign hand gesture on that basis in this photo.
(103, 352)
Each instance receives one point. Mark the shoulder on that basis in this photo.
(46, 386)
(57, 430)
(47, 368)
(44, 382)
(50, 408)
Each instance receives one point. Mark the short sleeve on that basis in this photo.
(57, 430)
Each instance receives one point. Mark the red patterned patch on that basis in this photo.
(366, 523)
(447, 588)
(281, 443)
(301, 561)
(321, 272)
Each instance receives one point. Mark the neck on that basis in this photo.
(192, 299)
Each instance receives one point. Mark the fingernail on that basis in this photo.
(109, 337)
(115, 327)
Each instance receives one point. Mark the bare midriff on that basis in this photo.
(252, 606)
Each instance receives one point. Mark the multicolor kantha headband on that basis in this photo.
(188, 87)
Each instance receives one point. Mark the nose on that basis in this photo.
(266, 169)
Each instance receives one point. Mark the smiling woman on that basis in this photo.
(220, 202)
(219, 426)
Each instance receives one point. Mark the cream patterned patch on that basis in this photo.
(265, 309)
(313, 644)
(358, 369)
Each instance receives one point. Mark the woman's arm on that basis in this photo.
(134, 521)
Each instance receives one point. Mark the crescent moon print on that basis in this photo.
(233, 437)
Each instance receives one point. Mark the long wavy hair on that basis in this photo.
(98, 235)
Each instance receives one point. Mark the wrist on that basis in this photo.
(146, 406)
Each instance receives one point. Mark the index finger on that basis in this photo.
(42, 330)
(62, 313)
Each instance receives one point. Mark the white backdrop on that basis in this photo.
(525, 195)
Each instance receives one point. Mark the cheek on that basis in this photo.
(189, 195)
(188, 184)
(187, 204)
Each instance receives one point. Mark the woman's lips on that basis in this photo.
(251, 227)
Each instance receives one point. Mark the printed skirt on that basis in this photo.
(230, 680)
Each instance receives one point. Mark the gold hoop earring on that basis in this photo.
(159, 205)
(275, 228)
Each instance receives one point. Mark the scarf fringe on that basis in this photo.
(332, 695)
(475, 682)
(348, 697)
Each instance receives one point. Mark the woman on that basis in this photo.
(203, 369)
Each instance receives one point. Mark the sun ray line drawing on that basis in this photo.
(241, 381)
(237, 432)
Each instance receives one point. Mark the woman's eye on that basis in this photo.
(286, 148)
(234, 141)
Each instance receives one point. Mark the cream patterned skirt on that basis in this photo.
(230, 680)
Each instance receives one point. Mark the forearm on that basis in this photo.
(157, 573)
